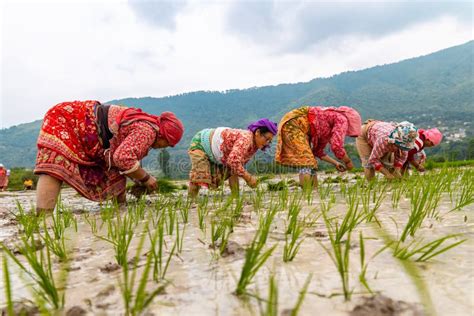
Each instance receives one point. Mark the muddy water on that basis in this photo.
(203, 285)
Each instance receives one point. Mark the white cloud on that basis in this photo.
(57, 51)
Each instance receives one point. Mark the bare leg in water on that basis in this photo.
(193, 190)
(308, 180)
(369, 173)
(47, 192)
(234, 184)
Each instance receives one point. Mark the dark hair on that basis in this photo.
(263, 130)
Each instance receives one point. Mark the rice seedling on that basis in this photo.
(166, 186)
(58, 226)
(8, 287)
(170, 219)
(363, 264)
(180, 237)
(159, 209)
(184, 205)
(218, 230)
(40, 271)
(294, 229)
(340, 254)
(426, 251)
(302, 293)
(120, 234)
(283, 196)
(279, 186)
(29, 222)
(56, 245)
(107, 212)
(62, 218)
(311, 218)
(352, 218)
(257, 199)
(137, 300)
(137, 210)
(326, 193)
(238, 206)
(465, 194)
(272, 299)
(292, 246)
(343, 187)
(308, 190)
(202, 211)
(398, 189)
(157, 240)
(372, 197)
(254, 257)
(423, 202)
(434, 199)
(91, 220)
(265, 178)
(295, 207)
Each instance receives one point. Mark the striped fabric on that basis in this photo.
(377, 138)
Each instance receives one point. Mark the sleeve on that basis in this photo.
(422, 156)
(400, 158)
(318, 149)
(236, 159)
(134, 147)
(378, 150)
(411, 154)
(338, 134)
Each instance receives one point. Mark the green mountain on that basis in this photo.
(431, 90)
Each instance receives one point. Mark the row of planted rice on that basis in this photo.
(399, 247)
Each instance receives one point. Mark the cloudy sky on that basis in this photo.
(54, 51)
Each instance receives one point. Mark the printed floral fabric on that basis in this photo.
(293, 146)
(237, 149)
(70, 150)
(378, 138)
(328, 127)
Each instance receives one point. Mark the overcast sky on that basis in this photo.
(76, 50)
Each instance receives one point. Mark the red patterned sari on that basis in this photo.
(69, 150)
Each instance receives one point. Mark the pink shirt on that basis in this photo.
(377, 138)
(237, 149)
(329, 127)
(131, 143)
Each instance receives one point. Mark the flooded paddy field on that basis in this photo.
(349, 248)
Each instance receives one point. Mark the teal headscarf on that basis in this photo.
(404, 135)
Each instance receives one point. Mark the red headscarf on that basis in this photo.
(170, 127)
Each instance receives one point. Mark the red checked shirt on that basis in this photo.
(419, 145)
(377, 138)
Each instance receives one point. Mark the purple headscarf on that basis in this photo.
(271, 126)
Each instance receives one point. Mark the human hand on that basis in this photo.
(251, 181)
(397, 173)
(349, 165)
(151, 184)
(340, 167)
